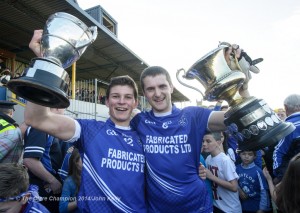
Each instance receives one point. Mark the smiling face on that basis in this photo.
(121, 102)
(158, 92)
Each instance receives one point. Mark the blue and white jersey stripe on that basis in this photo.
(113, 168)
(36, 149)
(282, 149)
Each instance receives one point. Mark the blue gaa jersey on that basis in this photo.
(35, 207)
(172, 146)
(252, 182)
(113, 168)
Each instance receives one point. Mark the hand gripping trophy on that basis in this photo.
(45, 81)
(250, 120)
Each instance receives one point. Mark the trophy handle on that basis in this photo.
(94, 31)
(184, 84)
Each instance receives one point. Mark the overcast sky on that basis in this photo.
(176, 33)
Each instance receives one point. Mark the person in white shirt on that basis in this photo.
(222, 172)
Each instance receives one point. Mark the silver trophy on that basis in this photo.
(45, 81)
(249, 120)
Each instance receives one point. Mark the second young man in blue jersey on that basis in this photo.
(113, 160)
(172, 140)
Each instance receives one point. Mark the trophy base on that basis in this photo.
(272, 137)
(254, 125)
(40, 86)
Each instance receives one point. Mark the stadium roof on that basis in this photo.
(105, 58)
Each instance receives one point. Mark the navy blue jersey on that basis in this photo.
(64, 170)
(172, 146)
(113, 168)
(47, 149)
(44, 147)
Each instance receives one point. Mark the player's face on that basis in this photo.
(158, 93)
(121, 102)
(210, 145)
(247, 157)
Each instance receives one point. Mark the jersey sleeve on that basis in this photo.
(280, 150)
(200, 116)
(88, 129)
(76, 133)
(35, 143)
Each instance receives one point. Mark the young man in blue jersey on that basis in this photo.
(172, 140)
(113, 160)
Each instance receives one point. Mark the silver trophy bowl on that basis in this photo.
(249, 120)
(45, 81)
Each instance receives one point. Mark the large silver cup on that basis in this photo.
(45, 81)
(250, 120)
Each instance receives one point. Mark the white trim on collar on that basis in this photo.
(157, 114)
(123, 127)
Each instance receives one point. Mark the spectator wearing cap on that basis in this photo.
(11, 142)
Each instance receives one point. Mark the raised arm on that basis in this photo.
(216, 121)
(41, 118)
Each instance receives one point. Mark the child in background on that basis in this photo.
(71, 185)
(253, 188)
(16, 196)
(221, 171)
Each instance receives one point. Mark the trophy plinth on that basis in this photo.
(45, 81)
(255, 125)
(250, 120)
(39, 85)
